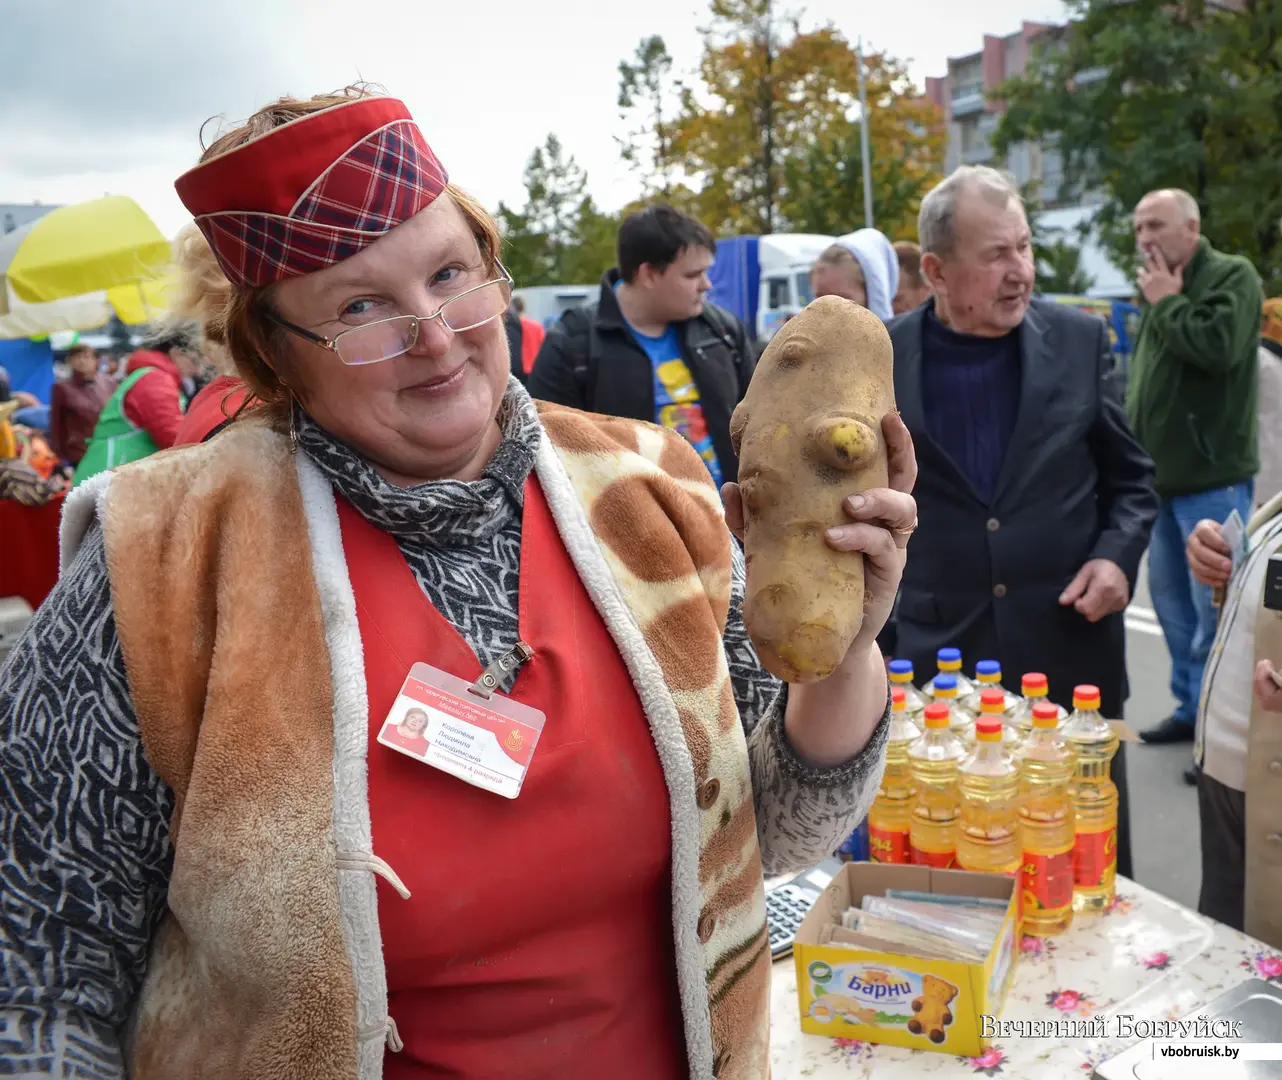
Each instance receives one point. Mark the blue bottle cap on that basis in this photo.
(945, 682)
(988, 667)
(901, 667)
(949, 656)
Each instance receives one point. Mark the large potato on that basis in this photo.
(808, 434)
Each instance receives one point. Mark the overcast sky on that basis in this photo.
(109, 95)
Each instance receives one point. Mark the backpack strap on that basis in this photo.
(584, 353)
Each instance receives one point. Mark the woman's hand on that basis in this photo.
(1209, 556)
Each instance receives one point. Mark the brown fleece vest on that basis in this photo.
(224, 637)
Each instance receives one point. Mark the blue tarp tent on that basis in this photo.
(30, 366)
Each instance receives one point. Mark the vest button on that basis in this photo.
(1274, 838)
(992, 525)
(999, 591)
(707, 927)
(1275, 766)
(708, 794)
(722, 1062)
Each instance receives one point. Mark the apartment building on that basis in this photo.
(972, 118)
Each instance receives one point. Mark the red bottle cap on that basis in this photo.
(988, 728)
(1045, 714)
(937, 715)
(992, 701)
(1086, 697)
(898, 699)
(1032, 681)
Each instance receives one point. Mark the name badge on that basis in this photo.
(466, 729)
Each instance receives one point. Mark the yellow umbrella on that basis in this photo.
(81, 249)
(132, 304)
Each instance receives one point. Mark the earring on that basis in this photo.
(293, 430)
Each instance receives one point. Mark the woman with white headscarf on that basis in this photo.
(862, 266)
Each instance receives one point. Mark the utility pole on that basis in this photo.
(863, 135)
(768, 120)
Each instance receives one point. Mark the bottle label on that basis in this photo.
(1047, 880)
(888, 845)
(940, 860)
(1094, 856)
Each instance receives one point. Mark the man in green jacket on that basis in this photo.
(1193, 405)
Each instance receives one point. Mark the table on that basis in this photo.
(1147, 956)
(30, 542)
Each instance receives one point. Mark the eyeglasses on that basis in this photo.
(387, 338)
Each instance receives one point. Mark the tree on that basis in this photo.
(646, 90)
(559, 236)
(772, 136)
(1150, 94)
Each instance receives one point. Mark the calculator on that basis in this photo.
(790, 901)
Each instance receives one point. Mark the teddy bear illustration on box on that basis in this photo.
(931, 1009)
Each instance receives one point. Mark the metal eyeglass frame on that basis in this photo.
(332, 343)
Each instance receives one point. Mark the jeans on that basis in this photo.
(1184, 607)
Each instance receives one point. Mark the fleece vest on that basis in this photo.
(237, 620)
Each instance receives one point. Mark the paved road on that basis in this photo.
(1165, 835)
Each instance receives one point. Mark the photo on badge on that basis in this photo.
(405, 728)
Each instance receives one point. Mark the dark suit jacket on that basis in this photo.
(1075, 486)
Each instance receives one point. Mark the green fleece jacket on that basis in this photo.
(1194, 379)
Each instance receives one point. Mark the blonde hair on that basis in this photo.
(233, 320)
(836, 255)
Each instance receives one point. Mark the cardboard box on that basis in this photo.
(859, 993)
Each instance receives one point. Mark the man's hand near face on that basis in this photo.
(1157, 280)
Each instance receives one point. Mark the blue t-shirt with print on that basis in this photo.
(676, 398)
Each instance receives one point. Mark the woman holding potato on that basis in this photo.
(218, 868)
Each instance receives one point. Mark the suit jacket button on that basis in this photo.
(722, 1062)
(999, 591)
(992, 525)
(1275, 766)
(708, 794)
(707, 927)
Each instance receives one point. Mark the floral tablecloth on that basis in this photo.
(1147, 956)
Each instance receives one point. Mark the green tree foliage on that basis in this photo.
(1148, 94)
(771, 137)
(559, 236)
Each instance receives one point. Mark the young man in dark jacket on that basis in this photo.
(1193, 405)
(654, 349)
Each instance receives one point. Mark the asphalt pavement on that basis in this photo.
(1165, 837)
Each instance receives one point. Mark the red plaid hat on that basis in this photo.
(312, 192)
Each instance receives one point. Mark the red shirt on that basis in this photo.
(212, 406)
(538, 940)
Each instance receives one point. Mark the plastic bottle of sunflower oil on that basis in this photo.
(988, 676)
(1035, 687)
(1047, 824)
(891, 813)
(933, 761)
(961, 722)
(1094, 800)
(993, 702)
(901, 676)
(950, 663)
(988, 829)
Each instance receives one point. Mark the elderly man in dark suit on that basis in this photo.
(1035, 501)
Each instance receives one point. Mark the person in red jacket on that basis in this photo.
(211, 409)
(155, 402)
